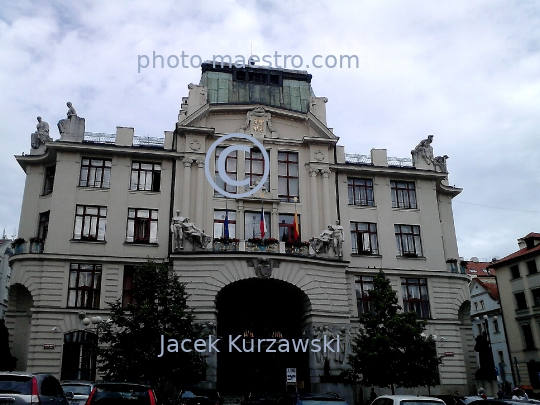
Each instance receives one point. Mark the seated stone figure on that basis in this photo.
(321, 243)
(41, 135)
(195, 235)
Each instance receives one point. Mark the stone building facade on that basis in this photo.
(518, 282)
(98, 204)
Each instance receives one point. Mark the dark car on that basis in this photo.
(118, 393)
(77, 391)
(199, 396)
(27, 388)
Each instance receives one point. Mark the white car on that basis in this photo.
(406, 400)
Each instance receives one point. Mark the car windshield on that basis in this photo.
(415, 402)
(15, 384)
(121, 394)
(77, 389)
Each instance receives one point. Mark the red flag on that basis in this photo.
(262, 224)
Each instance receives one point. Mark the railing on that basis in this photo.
(93, 137)
(366, 160)
(148, 142)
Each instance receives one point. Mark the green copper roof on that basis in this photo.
(288, 89)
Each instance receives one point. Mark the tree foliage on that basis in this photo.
(390, 349)
(131, 343)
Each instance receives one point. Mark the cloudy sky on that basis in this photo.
(465, 71)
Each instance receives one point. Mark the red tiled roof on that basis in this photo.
(479, 269)
(515, 255)
(532, 235)
(491, 288)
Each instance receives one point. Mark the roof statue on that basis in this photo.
(422, 155)
(41, 135)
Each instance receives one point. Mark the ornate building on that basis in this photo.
(98, 204)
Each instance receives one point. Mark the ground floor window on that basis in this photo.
(79, 356)
(415, 296)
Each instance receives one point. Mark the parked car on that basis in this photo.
(315, 399)
(76, 391)
(28, 388)
(406, 400)
(197, 397)
(212, 394)
(118, 393)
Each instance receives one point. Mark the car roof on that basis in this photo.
(411, 398)
(24, 374)
(76, 382)
(112, 383)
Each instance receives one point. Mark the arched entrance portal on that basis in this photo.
(260, 309)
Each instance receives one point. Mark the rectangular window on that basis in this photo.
(408, 240)
(252, 227)
(230, 169)
(142, 225)
(288, 187)
(496, 326)
(219, 224)
(480, 329)
(415, 296)
(254, 169)
(90, 222)
(403, 194)
(286, 228)
(363, 286)
(476, 305)
(48, 182)
(145, 176)
(521, 300)
(127, 290)
(482, 304)
(528, 337)
(364, 238)
(514, 270)
(84, 286)
(536, 297)
(360, 192)
(531, 266)
(95, 173)
(43, 228)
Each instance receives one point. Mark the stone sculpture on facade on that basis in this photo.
(344, 343)
(258, 120)
(423, 150)
(318, 334)
(338, 238)
(196, 236)
(177, 232)
(322, 243)
(41, 135)
(439, 163)
(72, 127)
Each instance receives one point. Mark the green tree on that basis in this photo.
(131, 343)
(390, 349)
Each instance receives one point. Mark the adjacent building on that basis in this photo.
(96, 205)
(5, 274)
(518, 283)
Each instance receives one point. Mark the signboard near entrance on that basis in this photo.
(291, 375)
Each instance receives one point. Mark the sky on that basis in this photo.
(465, 71)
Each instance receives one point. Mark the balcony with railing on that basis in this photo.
(111, 139)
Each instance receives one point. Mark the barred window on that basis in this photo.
(95, 173)
(142, 225)
(360, 192)
(415, 296)
(364, 238)
(90, 222)
(288, 187)
(363, 286)
(145, 176)
(403, 194)
(84, 286)
(408, 240)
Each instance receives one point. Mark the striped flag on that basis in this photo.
(296, 234)
(262, 224)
